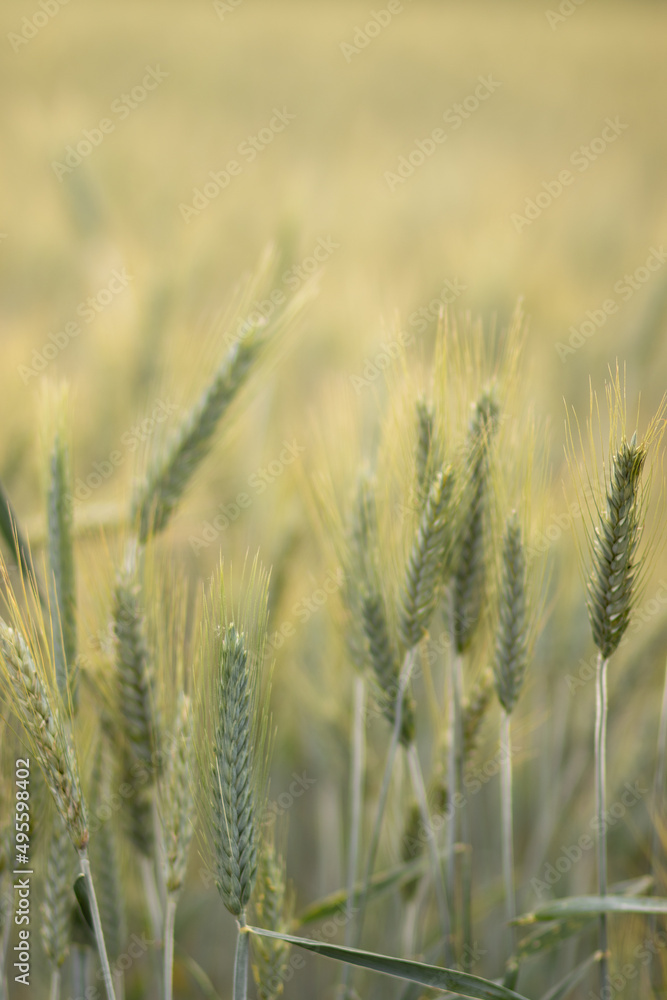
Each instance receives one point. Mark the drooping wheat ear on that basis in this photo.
(426, 449)
(469, 574)
(170, 473)
(62, 581)
(475, 708)
(612, 582)
(176, 797)
(56, 910)
(511, 656)
(134, 678)
(272, 910)
(428, 559)
(384, 658)
(235, 806)
(35, 703)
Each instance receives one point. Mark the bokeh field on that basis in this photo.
(543, 183)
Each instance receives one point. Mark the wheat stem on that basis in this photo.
(419, 790)
(454, 780)
(97, 924)
(152, 896)
(600, 798)
(54, 991)
(356, 797)
(507, 826)
(403, 681)
(659, 781)
(169, 921)
(241, 961)
(78, 971)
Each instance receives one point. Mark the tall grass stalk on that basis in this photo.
(97, 925)
(169, 921)
(601, 805)
(356, 804)
(54, 990)
(439, 886)
(507, 826)
(454, 782)
(659, 781)
(241, 961)
(403, 682)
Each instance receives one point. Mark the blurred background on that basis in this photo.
(398, 159)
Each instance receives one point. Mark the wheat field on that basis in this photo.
(332, 499)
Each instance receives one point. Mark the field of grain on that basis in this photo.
(425, 233)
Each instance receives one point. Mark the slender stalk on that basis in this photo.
(241, 962)
(658, 812)
(601, 806)
(97, 924)
(422, 801)
(659, 782)
(507, 826)
(356, 795)
(78, 971)
(454, 782)
(169, 920)
(403, 681)
(152, 897)
(54, 992)
(6, 909)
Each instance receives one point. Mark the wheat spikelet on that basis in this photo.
(468, 581)
(36, 706)
(235, 808)
(272, 909)
(475, 708)
(176, 798)
(384, 659)
(134, 678)
(171, 472)
(611, 586)
(511, 655)
(56, 909)
(62, 582)
(428, 560)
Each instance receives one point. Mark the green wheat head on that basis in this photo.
(511, 656)
(56, 909)
(272, 910)
(428, 560)
(231, 738)
(171, 470)
(469, 576)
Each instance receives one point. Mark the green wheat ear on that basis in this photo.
(232, 747)
(171, 471)
(428, 559)
(56, 909)
(62, 581)
(384, 658)
(612, 583)
(176, 796)
(425, 456)
(511, 656)
(469, 575)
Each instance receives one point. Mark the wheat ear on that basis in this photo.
(611, 592)
(35, 705)
(428, 560)
(62, 580)
(170, 473)
(58, 898)
(386, 666)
